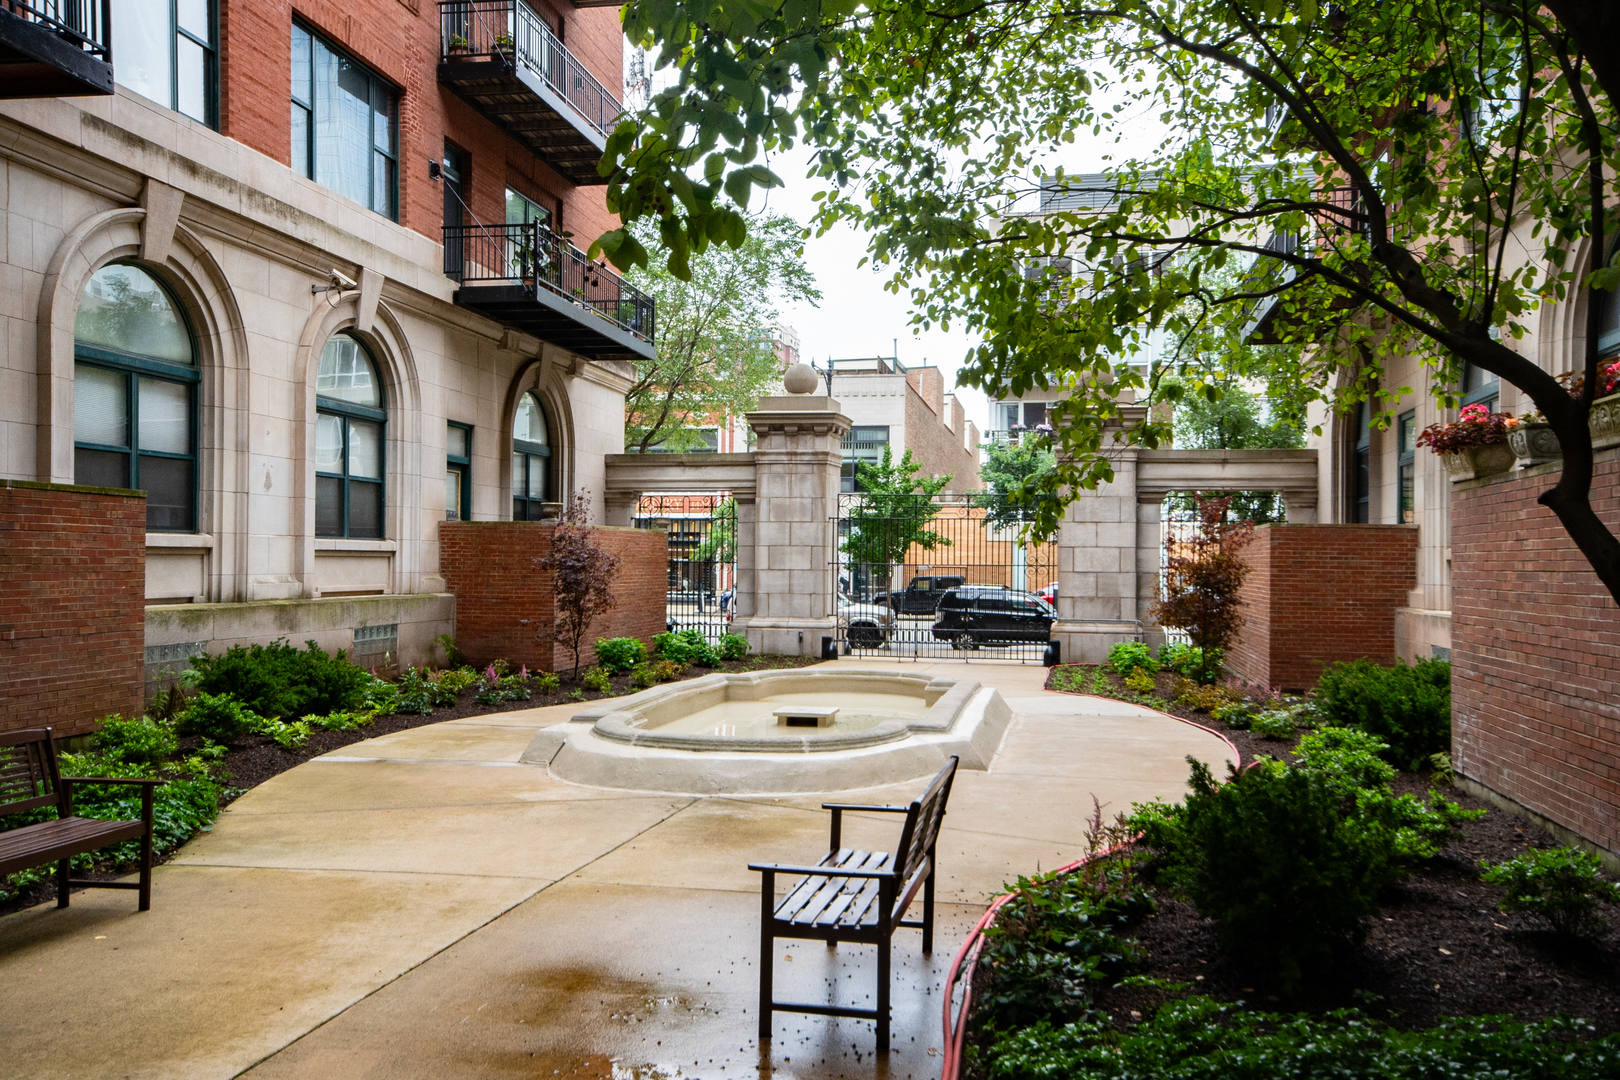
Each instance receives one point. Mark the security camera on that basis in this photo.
(340, 283)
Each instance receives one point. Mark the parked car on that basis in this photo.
(867, 626)
(1049, 594)
(974, 615)
(922, 596)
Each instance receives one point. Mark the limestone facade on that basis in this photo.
(238, 240)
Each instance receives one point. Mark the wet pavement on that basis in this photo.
(421, 905)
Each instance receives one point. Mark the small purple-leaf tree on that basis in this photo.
(584, 573)
(1202, 580)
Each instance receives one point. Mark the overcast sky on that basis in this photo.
(856, 316)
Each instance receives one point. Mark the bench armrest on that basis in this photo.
(112, 780)
(836, 839)
(818, 871)
(147, 785)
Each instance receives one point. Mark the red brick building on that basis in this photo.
(311, 275)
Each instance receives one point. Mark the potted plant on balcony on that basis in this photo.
(458, 45)
(503, 43)
(1474, 446)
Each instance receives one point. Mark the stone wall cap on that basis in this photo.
(798, 403)
(83, 489)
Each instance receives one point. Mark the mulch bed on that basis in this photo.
(253, 760)
(1438, 947)
(257, 758)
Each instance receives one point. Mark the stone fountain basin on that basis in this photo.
(628, 743)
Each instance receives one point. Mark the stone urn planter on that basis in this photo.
(1473, 462)
(1604, 422)
(1534, 444)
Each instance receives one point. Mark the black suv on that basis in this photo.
(973, 615)
(922, 595)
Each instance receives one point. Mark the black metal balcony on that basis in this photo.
(1270, 273)
(505, 62)
(55, 48)
(527, 277)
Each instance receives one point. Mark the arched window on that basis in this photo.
(135, 395)
(349, 446)
(1361, 467)
(531, 459)
(1609, 319)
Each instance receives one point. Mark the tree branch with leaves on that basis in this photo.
(1448, 166)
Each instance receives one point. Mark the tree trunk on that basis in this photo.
(1571, 500)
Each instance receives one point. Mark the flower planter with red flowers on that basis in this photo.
(1475, 445)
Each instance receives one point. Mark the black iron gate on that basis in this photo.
(701, 589)
(922, 576)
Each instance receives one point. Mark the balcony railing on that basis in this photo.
(532, 259)
(84, 24)
(55, 48)
(509, 31)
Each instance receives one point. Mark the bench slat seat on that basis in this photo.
(855, 896)
(29, 779)
(63, 838)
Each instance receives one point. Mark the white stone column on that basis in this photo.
(1099, 576)
(1300, 506)
(620, 507)
(786, 544)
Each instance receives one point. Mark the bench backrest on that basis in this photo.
(29, 776)
(922, 824)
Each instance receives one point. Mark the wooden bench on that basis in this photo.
(30, 778)
(857, 896)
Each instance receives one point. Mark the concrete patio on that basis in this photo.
(424, 905)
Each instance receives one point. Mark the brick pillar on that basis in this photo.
(72, 605)
(785, 575)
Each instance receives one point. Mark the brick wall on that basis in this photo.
(1320, 594)
(399, 39)
(1535, 654)
(501, 599)
(939, 450)
(72, 607)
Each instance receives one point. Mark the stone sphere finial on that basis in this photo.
(801, 378)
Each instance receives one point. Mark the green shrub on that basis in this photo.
(1203, 698)
(1184, 660)
(1140, 682)
(667, 670)
(620, 654)
(339, 721)
(1562, 885)
(287, 734)
(1239, 714)
(546, 683)
(1202, 1039)
(1273, 724)
(279, 681)
(1128, 656)
(496, 686)
(1407, 707)
(643, 676)
(381, 698)
(686, 647)
(733, 647)
(138, 741)
(1049, 943)
(1282, 862)
(1349, 758)
(596, 679)
(219, 717)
